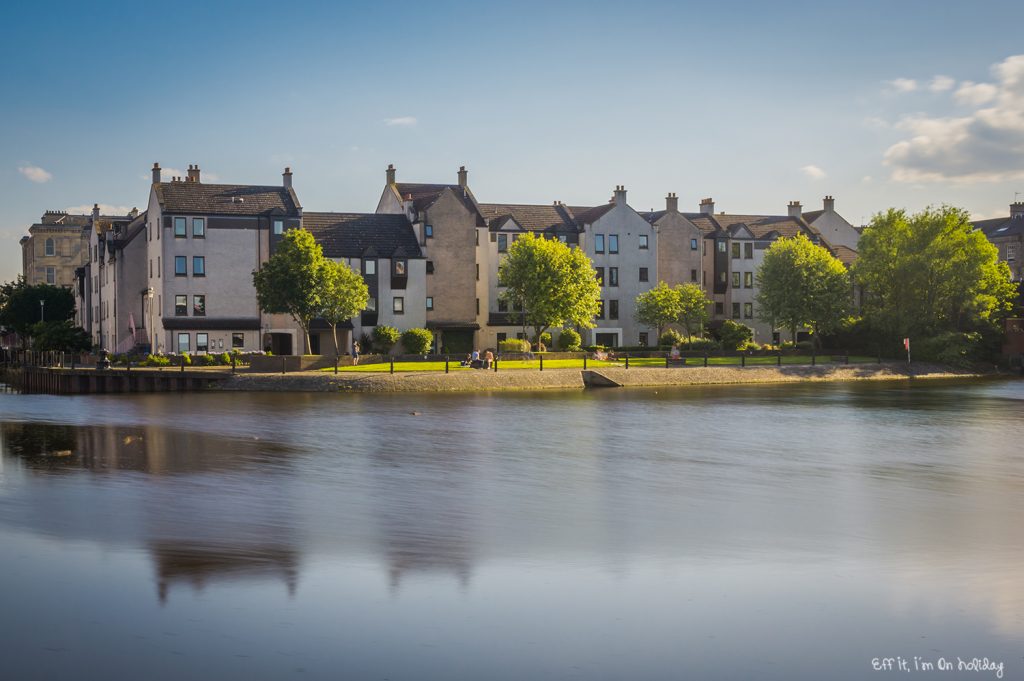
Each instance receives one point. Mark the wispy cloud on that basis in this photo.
(35, 173)
(105, 209)
(986, 145)
(941, 84)
(867, 179)
(901, 85)
(401, 121)
(813, 172)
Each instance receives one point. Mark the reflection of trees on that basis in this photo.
(42, 446)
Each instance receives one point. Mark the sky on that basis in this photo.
(879, 104)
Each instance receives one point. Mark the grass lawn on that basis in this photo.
(591, 363)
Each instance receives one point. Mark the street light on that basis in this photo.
(42, 310)
(152, 331)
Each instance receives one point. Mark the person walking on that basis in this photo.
(355, 353)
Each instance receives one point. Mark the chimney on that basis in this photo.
(193, 173)
(620, 195)
(156, 173)
(286, 177)
(95, 212)
(795, 209)
(133, 213)
(672, 203)
(1017, 209)
(463, 175)
(830, 204)
(707, 206)
(391, 174)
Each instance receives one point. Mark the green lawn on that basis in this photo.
(591, 363)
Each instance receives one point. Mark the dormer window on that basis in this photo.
(278, 227)
(369, 267)
(502, 243)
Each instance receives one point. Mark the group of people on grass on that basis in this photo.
(475, 360)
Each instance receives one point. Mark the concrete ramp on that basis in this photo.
(596, 379)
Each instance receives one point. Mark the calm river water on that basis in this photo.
(730, 532)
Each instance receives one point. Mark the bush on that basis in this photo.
(385, 338)
(805, 346)
(670, 338)
(224, 358)
(365, 343)
(569, 339)
(953, 349)
(749, 346)
(545, 339)
(514, 345)
(186, 358)
(417, 341)
(155, 361)
(697, 344)
(205, 360)
(733, 335)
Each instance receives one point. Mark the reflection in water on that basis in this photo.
(198, 565)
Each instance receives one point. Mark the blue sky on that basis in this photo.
(755, 104)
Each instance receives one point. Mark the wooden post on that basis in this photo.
(743, 360)
(666, 360)
(814, 357)
(335, 365)
(446, 359)
(584, 361)
(392, 364)
(232, 362)
(183, 364)
(627, 360)
(778, 359)
(495, 365)
(705, 358)
(284, 364)
(541, 362)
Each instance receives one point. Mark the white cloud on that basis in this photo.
(401, 121)
(975, 94)
(867, 179)
(105, 209)
(986, 145)
(902, 85)
(35, 173)
(941, 84)
(813, 172)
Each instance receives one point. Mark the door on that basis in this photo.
(281, 343)
(609, 340)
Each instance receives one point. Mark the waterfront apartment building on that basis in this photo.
(54, 248)
(1007, 234)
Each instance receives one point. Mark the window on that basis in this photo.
(158, 267)
(600, 309)
(613, 309)
(371, 304)
(721, 246)
(502, 243)
(643, 242)
(151, 268)
(722, 277)
(703, 278)
(398, 305)
(562, 238)
(643, 274)
(199, 306)
(599, 272)
(180, 306)
(399, 268)
(735, 279)
(735, 310)
(748, 280)
(199, 228)
(430, 267)
(370, 267)
(183, 343)
(428, 231)
(478, 271)
(180, 266)
(198, 266)
(179, 228)
(643, 339)
(613, 243)
(237, 340)
(748, 251)
(748, 310)
(719, 308)
(693, 275)
(51, 275)
(1011, 251)
(599, 243)
(693, 244)
(50, 248)
(202, 342)
(502, 336)
(517, 306)
(430, 302)
(278, 226)
(476, 237)
(735, 249)
(613, 276)
(478, 306)
(502, 305)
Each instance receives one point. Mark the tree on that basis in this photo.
(61, 336)
(385, 338)
(417, 341)
(802, 284)
(693, 308)
(20, 307)
(659, 306)
(291, 281)
(344, 295)
(555, 284)
(930, 272)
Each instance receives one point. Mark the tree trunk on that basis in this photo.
(334, 337)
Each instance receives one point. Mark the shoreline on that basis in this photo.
(577, 379)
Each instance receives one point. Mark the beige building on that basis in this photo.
(54, 248)
(1008, 236)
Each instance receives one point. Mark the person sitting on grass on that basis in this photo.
(488, 359)
(466, 362)
(600, 354)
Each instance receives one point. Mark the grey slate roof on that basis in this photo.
(653, 216)
(812, 215)
(761, 226)
(353, 235)
(585, 215)
(424, 196)
(199, 198)
(532, 218)
(999, 227)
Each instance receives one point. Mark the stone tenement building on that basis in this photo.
(54, 247)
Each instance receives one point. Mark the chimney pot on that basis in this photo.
(463, 176)
(672, 203)
(1017, 209)
(287, 178)
(829, 204)
(193, 173)
(156, 173)
(707, 206)
(795, 210)
(391, 174)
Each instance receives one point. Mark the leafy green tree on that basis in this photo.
(659, 306)
(734, 335)
(802, 284)
(20, 307)
(555, 284)
(60, 336)
(693, 308)
(385, 338)
(292, 280)
(417, 341)
(930, 272)
(344, 295)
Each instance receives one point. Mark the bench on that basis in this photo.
(675, 362)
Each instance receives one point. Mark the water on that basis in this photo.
(756, 532)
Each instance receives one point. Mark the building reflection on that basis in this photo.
(198, 565)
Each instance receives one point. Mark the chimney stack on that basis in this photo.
(830, 204)
(707, 206)
(795, 209)
(286, 178)
(391, 174)
(193, 173)
(463, 176)
(95, 213)
(1017, 209)
(156, 173)
(672, 203)
(620, 195)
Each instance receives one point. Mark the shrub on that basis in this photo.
(365, 343)
(205, 360)
(545, 339)
(224, 358)
(514, 345)
(417, 341)
(749, 346)
(186, 358)
(952, 348)
(670, 338)
(733, 335)
(385, 338)
(155, 361)
(805, 346)
(697, 344)
(569, 339)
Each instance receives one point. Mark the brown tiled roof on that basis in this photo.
(533, 218)
(424, 196)
(845, 254)
(224, 199)
(705, 223)
(585, 215)
(764, 225)
(353, 235)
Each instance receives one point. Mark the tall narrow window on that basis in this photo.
(693, 275)
(735, 249)
(51, 275)
(478, 271)
(748, 310)
(613, 276)
(179, 228)
(430, 268)
(599, 243)
(613, 243)
(643, 242)
(198, 266)
(202, 342)
(237, 340)
(369, 267)
(748, 280)
(502, 305)
(183, 343)
(199, 228)
(371, 304)
(599, 273)
(180, 306)
(50, 248)
(430, 303)
(644, 274)
(693, 244)
(748, 251)
(428, 231)
(180, 266)
(735, 279)
(199, 306)
(398, 305)
(613, 309)
(735, 310)
(600, 309)
(502, 243)
(278, 226)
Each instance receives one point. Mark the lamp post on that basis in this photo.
(42, 310)
(152, 330)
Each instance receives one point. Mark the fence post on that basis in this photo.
(584, 361)
(666, 360)
(705, 358)
(847, 358)
(627, 360)
(183, 364)
(743, 360)
(232, 362)
(495, 365)
(541, 362)
(335, 365)
(814, 357)
(284, 364)
(392, 364)
(446, 358)
(778, 359)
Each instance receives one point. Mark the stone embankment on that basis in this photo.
(571, 379)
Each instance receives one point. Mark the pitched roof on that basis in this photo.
(353, 235)
(424, 196)
(131, 230)
(812, 215)
(653, 216)
(224, 199)
(585, 215)
(845, 254)
(998, 227)
(532, 218)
